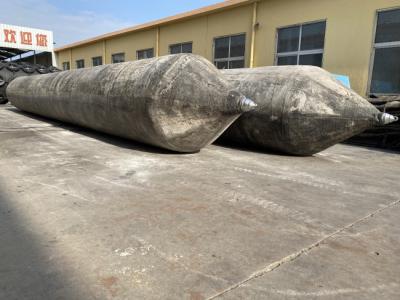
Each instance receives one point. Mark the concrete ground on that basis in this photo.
(84, 215)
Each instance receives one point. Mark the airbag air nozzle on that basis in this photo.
(385, 118)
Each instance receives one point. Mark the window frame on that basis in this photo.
(300, 52)
(115, 54)
(83, 63)
(374, 46)
(66, 63)
(181, 45)
(97, 57)
(229, 58)
(147, 49)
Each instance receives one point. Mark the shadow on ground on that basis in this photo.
(27, 268)
(133, 145)
(101, 136)
(255, 149)
(249, 148)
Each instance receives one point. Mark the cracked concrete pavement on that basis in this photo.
(84, 215)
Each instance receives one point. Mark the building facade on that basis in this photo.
(358, 38)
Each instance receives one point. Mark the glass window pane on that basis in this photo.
(313, 36)
(143, 54)
(237, 45)
(288, 39)
(97, 61)
(80, 64)
(66, 66)
(236, 64)
(221, 64)
(388, 26)
(221, 47)
(187, 48)
(150, 53)
(311, 60)
(118, 58)
(175, 49)
(287, 60)
(386, 72)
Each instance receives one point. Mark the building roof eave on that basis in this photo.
(153, 24)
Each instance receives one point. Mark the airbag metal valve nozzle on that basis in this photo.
(385, 118)
(247, 105)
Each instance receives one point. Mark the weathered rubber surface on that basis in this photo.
(177, 102)
(11, 70)
(301, 109)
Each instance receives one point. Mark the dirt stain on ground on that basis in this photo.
(196, 296)
(109, 283)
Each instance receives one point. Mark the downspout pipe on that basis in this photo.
(253, 34)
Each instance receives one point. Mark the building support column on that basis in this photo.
(53, 59)
(158, 42)
(70, 58)
(254, 25)
(104, 53)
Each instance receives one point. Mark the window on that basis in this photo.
(301, 45)
(229, 51)
(118, 58)
(181, 48)
(80, 63)
(385, 77)
(65, 66)
(97, 61)
(146, 53)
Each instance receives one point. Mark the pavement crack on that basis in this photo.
(331, 292)
(273, 266)
(58, 188)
